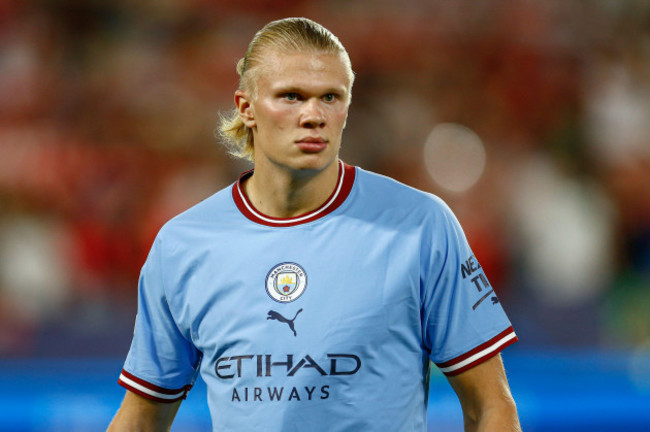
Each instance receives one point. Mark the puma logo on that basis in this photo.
(273, 315)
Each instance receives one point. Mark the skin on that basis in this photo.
(297, 117)
(301, 97)
(485, 398)
(137, 414)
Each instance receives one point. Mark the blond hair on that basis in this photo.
(285, 35)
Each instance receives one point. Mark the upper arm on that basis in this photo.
(463, 321)
(139, 414)
(485, 397)
(162, 363)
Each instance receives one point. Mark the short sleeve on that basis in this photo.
(162, 363)
(464, 323)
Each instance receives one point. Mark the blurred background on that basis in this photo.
(531, 119)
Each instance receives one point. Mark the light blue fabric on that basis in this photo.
(389, 283)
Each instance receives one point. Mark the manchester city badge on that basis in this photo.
(286, 282)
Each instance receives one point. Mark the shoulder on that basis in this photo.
(391, 195)
(210, 215)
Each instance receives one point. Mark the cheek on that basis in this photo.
(283, 118)
(340, 117)
(273, 114)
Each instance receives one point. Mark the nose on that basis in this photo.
(312, 115)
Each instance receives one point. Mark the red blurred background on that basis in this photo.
(107, 113)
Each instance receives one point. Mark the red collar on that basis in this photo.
(341, 192)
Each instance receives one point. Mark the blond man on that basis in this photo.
(312, 295)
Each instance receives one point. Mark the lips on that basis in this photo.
(312, 144)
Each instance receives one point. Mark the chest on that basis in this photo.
(309, 292)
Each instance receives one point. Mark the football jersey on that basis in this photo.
(323, 322)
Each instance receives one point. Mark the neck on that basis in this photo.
(289, 194)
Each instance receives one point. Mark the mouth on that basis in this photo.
(312, 144)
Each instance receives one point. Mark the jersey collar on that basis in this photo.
(341, 192)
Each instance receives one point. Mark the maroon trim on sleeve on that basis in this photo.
(479, 354)
(151, 391)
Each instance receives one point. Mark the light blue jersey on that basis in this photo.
(324, 322)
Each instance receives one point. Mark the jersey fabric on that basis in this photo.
(323, 322)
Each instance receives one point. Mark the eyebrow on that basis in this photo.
(296, 89)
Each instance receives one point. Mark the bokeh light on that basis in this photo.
(455, 156)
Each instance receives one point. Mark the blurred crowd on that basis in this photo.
(107, 118)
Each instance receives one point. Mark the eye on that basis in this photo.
(291, 97)
(329, 97)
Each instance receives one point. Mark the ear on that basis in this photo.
(243, 101)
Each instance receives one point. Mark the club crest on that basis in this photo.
(286, 282)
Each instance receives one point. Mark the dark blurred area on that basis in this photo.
(107, 114)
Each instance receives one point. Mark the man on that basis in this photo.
(311, 295)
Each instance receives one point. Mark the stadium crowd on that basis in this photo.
(107, 117)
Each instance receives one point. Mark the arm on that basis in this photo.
(485, 398)
(137, 414)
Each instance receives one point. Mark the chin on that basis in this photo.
(314, 162)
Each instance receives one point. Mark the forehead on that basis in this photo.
(308, 69)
